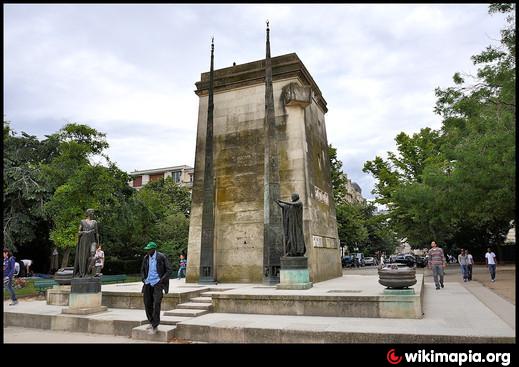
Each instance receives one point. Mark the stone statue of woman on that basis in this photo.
(293, 236)
(88, 237)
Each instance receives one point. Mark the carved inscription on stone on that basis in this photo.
(321, 196)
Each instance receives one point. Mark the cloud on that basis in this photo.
(129, 70)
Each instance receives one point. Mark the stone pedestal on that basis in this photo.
(294, 273)
(85, 297)
(58, 295)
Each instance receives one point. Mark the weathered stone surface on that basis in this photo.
(58, 295)
(85, 285)
(239, 141)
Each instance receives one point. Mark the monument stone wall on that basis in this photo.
(239, 138)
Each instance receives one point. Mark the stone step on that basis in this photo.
(185, 312)
(172, 320)
(195, 306)
(210, 293)
(207, 299)
(220, 289)
(164, 333)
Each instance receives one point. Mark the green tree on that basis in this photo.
(92, 186)
(25, 190)
(351, 224)
(458, 183)
(338, 177)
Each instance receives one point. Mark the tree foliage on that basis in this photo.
(358, 224)
(456, 185)
(25, 190)
(49, 184)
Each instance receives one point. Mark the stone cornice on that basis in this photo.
(253, 73)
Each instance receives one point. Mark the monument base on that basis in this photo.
(294, 273)
(85, 297)
(84, 311)
(58, 295)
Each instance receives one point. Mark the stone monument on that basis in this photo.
(261, 136)
(85, 288)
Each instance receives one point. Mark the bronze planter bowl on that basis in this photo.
(396, 277)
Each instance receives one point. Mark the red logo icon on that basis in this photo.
(393, 358)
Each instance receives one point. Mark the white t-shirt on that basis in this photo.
(491, 258)
(100, 258)
(470, 259)
(27, 263)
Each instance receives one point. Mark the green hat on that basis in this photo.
(150, 245)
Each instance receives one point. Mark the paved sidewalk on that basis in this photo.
(13, 334)
(451, 315)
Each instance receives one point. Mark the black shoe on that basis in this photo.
(441, 285)
(437, 287)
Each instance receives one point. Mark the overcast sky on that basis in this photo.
(129, 70)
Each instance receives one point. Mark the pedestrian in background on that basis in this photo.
(182, 267)
(155, 272)
(470, 260)
(9, 263)
(463, 261)
(99, 260)
(437, 263)
(490, 258)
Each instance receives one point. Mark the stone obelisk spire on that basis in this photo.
(207, 271)
(273, 231)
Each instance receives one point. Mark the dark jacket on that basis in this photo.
(9, 267)
(163, 269)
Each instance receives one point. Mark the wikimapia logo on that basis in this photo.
(393, 358)
(459, 358)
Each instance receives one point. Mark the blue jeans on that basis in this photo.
(464, 272)
(492, 270)
(8, 283)
(437, 271)
(181, 273)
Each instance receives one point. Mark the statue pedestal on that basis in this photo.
(58, 295)
(85, 297)
(294, 273)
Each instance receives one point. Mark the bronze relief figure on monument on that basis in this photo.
(293, 237)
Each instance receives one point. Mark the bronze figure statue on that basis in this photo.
(88, 238)
(293, 237)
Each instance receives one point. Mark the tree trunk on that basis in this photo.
(64, 261)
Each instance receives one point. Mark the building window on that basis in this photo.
(176, 176)
(137, 181)
(156, 177)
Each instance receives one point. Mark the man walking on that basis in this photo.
(470, 260)
(155, 272)
(437, 263)
(490, 258)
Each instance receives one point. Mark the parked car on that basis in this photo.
(421, 261)
(347, 261)
(407, 259)
(370, 261)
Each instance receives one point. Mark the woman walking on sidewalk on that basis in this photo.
(9, 262)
